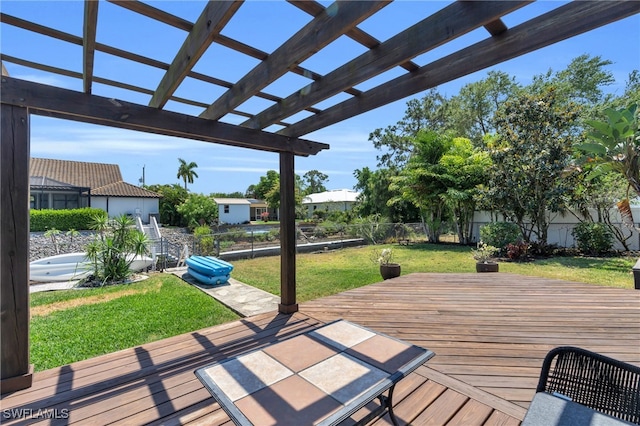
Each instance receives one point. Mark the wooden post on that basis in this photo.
(288, 303)
(15, 371)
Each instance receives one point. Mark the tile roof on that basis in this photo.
(124, 189)
(103, 179)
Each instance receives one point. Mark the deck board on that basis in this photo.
(489, 332)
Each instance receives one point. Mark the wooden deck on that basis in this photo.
(489, 332)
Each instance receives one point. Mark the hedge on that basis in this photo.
(63, 220)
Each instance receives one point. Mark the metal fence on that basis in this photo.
(258, 240)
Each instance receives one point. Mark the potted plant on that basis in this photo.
(484, 255)
(388, 269)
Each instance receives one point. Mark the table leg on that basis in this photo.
(386, 405)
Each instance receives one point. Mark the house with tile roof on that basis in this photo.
(63, 184)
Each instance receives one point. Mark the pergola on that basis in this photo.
(21, 98)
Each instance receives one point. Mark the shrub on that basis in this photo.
(517, 251)
(114, 247)
(63, 220)
(500, 234)
(593, 238)
(205, 239)
(198, 209)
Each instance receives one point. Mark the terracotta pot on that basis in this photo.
(391, 270)
(487, 267)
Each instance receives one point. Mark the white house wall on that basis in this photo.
(331, 207)
(238, 213)
(117, 206)
(560, 228)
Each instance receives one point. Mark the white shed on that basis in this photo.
(233, 210)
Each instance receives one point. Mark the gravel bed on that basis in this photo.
(41, 246)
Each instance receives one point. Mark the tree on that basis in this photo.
(266, 184)
(472, 110)
(198, 209)
(172, 196)
(375, 194)
(534, 149)
(396, 141)
(186, 171)
(468, 169)
(580, 83)
(424, 181)
(314, 181)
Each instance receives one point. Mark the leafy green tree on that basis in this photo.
(236, 194)
(528, 178)
(472, 110)
(582, 82)
(468, 168)
(424, 181)
(266, 184)
(396, 141)
(273, 196)
(172, 196)
(593, 197)
(314, 182)
(186, 171)
(198, 209)
(375, 194)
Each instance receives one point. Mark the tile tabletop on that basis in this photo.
(327, 373)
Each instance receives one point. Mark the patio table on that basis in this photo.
(321, 377)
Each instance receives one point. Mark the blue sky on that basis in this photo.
(227, 169)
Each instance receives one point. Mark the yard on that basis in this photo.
(68, 326)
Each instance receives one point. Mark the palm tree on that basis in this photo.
(186, 172)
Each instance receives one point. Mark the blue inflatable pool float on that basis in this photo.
(209, 270)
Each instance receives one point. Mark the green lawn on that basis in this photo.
(68, 326)
(73, 325)
(322, 274)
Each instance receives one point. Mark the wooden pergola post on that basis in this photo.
(15, 371)
(288, 303)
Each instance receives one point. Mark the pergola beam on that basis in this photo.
(89, 42)
(213, 19)
(564, 22)
(322, 30)
(453, 21)
(67, 104)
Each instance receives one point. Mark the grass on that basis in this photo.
(68, 326)
(326, 273)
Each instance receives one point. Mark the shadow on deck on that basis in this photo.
(490, 333)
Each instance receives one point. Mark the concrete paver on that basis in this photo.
(237, 296)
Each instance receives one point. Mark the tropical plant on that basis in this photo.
(382, 257)
(483, 253)
(53, 235)
(616, 147)
(186, 171)
(114, 248)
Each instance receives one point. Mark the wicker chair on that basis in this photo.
(599, 382)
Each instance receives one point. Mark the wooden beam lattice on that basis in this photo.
(321, 31)
(559, 24)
